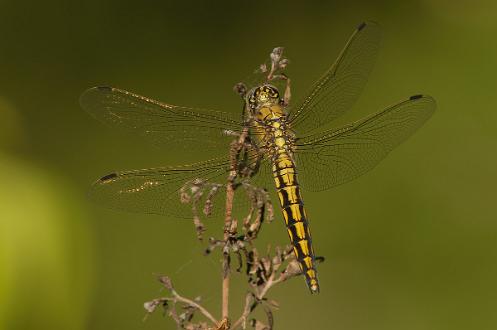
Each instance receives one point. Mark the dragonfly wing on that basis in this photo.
(159, 190)
(338, 89)
(165, 124)
(338, 156)
(171, 190)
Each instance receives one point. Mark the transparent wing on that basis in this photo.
(338, 156)
(160, 190)
(338, 89)
(156, 190)
(165, 124)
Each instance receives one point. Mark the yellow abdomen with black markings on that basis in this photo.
(285, 177)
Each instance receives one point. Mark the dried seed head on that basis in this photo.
(266, 265)
(276, 261)
(276, 54)
(208, 207)
(292, 269)
(233, 227)
(269, 211)
(283, 63)
(184, 197)
(150, 306)
(166, 281)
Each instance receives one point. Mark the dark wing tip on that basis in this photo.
(422, 96)
(426, 98)
(429, 104)
(415, 97)
(106, 178)
(366, 23)
(361, 26)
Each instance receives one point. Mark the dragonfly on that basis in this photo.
(294, 148)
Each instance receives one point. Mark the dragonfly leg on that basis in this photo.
(287, 95)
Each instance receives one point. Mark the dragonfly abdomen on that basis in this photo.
(292, 206)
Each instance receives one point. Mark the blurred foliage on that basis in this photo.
(411, 245)
(45, 251)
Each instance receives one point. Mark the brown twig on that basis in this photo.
(166, 281)
(235, 150)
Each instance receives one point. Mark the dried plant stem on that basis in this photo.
(174, 299)
(195, 305)
(230, 191)
(236, 147)
(249, 306)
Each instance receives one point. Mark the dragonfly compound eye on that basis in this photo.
(263, 95)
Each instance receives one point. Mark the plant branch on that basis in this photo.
(235, 150)
(191, 304)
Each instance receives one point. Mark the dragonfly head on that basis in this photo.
(264, 95)
(262, 99)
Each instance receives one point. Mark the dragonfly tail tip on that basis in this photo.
(314, 289)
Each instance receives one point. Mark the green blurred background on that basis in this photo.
(411, 245)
